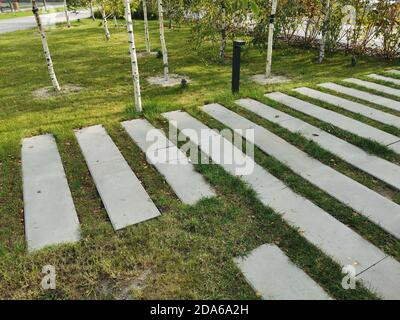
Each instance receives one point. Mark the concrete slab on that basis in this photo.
(363, 95)
(271, 274)
(373, 165)
(393, 71)
(370, 204)
(382, 78)
(374, 86)
(172, 164)
(356, 127)
(50, 216)
(381, 277)
(352, 106)
(330, 235)
(123, 196)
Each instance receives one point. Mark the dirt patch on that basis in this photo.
(125, 289)
(49, 92)
(273, 79)
(174, 80)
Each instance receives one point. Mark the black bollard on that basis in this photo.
(237, 46)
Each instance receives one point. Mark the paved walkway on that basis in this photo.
(22, 23)
(51, 218)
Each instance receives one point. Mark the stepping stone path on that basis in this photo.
(170, 161)
(356, 127)
(355, 195)
(362, 95)
(375, 166)
(382, 78)
(374, 86)
(352, 106)
(123, 196)
(334, 238)
(50, 216)
(271, 274)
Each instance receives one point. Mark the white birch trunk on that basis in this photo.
(105, 23)
(134, 62)
(46, 50)
(66, 14)
(115, 21)
(271, 38)
(91, 10)
(146, 27)
(45, 5)
(324, 31)
(223, 32)
(162, 39)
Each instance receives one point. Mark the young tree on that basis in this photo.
(66, 14)
(45, 5)
(271, 38)
(325, 29)
(46, 50)
(146, 27)
(162, 39)
(102, 8)
(134, 62)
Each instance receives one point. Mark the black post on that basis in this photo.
(237, 45)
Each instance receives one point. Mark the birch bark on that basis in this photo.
(146, 27)
(105, 23)
(45, 5)
(271, 38)
(134, 62)
(66, 14)
(223, 32)
(324, 31)
(162, 39)
(45, 46)
(91, 10)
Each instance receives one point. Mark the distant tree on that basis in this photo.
(162, 39)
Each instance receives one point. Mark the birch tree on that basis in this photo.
(271, 38)
(66, 14)
(132, 51)
(162, 39)
(91, 10)
(45, 46)
(146, 27)
(102, 8)
(45, 5)
(325, 29)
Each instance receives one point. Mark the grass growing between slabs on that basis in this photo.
(188, 251)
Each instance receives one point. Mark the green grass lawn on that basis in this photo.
(187, 252)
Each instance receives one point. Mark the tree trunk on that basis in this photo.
(134, 62)
(146, 27)
(324, 31)
(271, 38)
(45, 5)
(162, 39)
(46, 50)
(105, 23)
(91, 10)
(115, 21)
(66, 14)
(223, 32)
